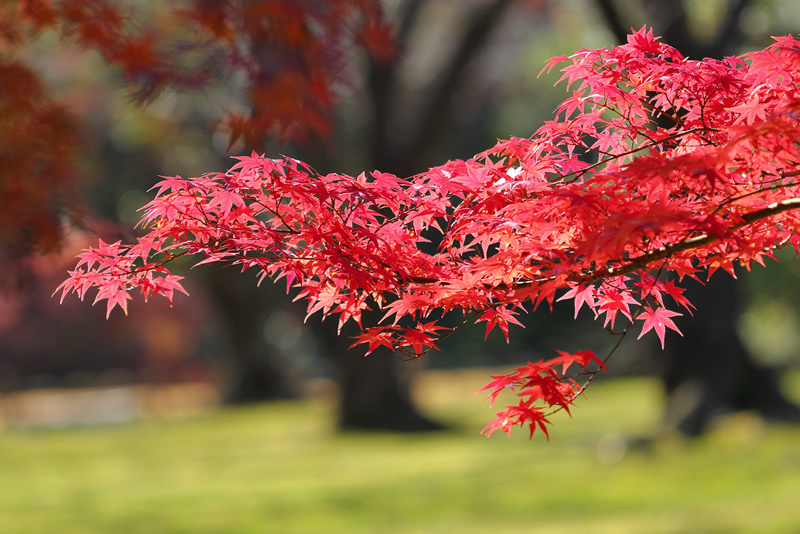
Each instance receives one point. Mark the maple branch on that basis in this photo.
(687, 244)
(671, 137)
(651, 256)
(776, 185)
(703, 196)
(482, 24)
(613, 19)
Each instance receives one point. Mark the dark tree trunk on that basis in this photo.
(253, 372)
(374, 395)
(708, 371)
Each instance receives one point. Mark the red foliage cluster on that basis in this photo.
(38, 139)
(291, 54)
(656, 164)
(538, 382)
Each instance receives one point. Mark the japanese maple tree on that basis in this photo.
(655, 165)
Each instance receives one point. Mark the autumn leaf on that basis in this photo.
(582, 295)
(376, 337)
(613, 301)
(659, 320)
(499, 316)
(498, 384)
(749, 112)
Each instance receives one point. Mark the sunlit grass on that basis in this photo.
(282, 468)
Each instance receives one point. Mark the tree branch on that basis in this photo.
(380, 78)
(438, 110)
(687, 244)
(654, 255)
(613, 20)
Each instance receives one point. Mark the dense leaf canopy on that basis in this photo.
(654, 164)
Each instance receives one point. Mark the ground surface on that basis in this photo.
(282, 468)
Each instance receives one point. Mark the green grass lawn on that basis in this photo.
(282, 468)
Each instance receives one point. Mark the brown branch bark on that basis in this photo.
(614, 20)
(687, 244)
(438, 112)
(661, 253)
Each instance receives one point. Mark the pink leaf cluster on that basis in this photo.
(656, 164)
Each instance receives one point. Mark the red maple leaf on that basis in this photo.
(582, 294)
(658, 320)
(499, 384)
(613, 301)
(499, 316)
(377, 336)
(749, 112)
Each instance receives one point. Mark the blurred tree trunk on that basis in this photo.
(253, 372)
(374, 395)
(708, 371)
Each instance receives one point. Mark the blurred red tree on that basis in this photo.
(290, 54)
